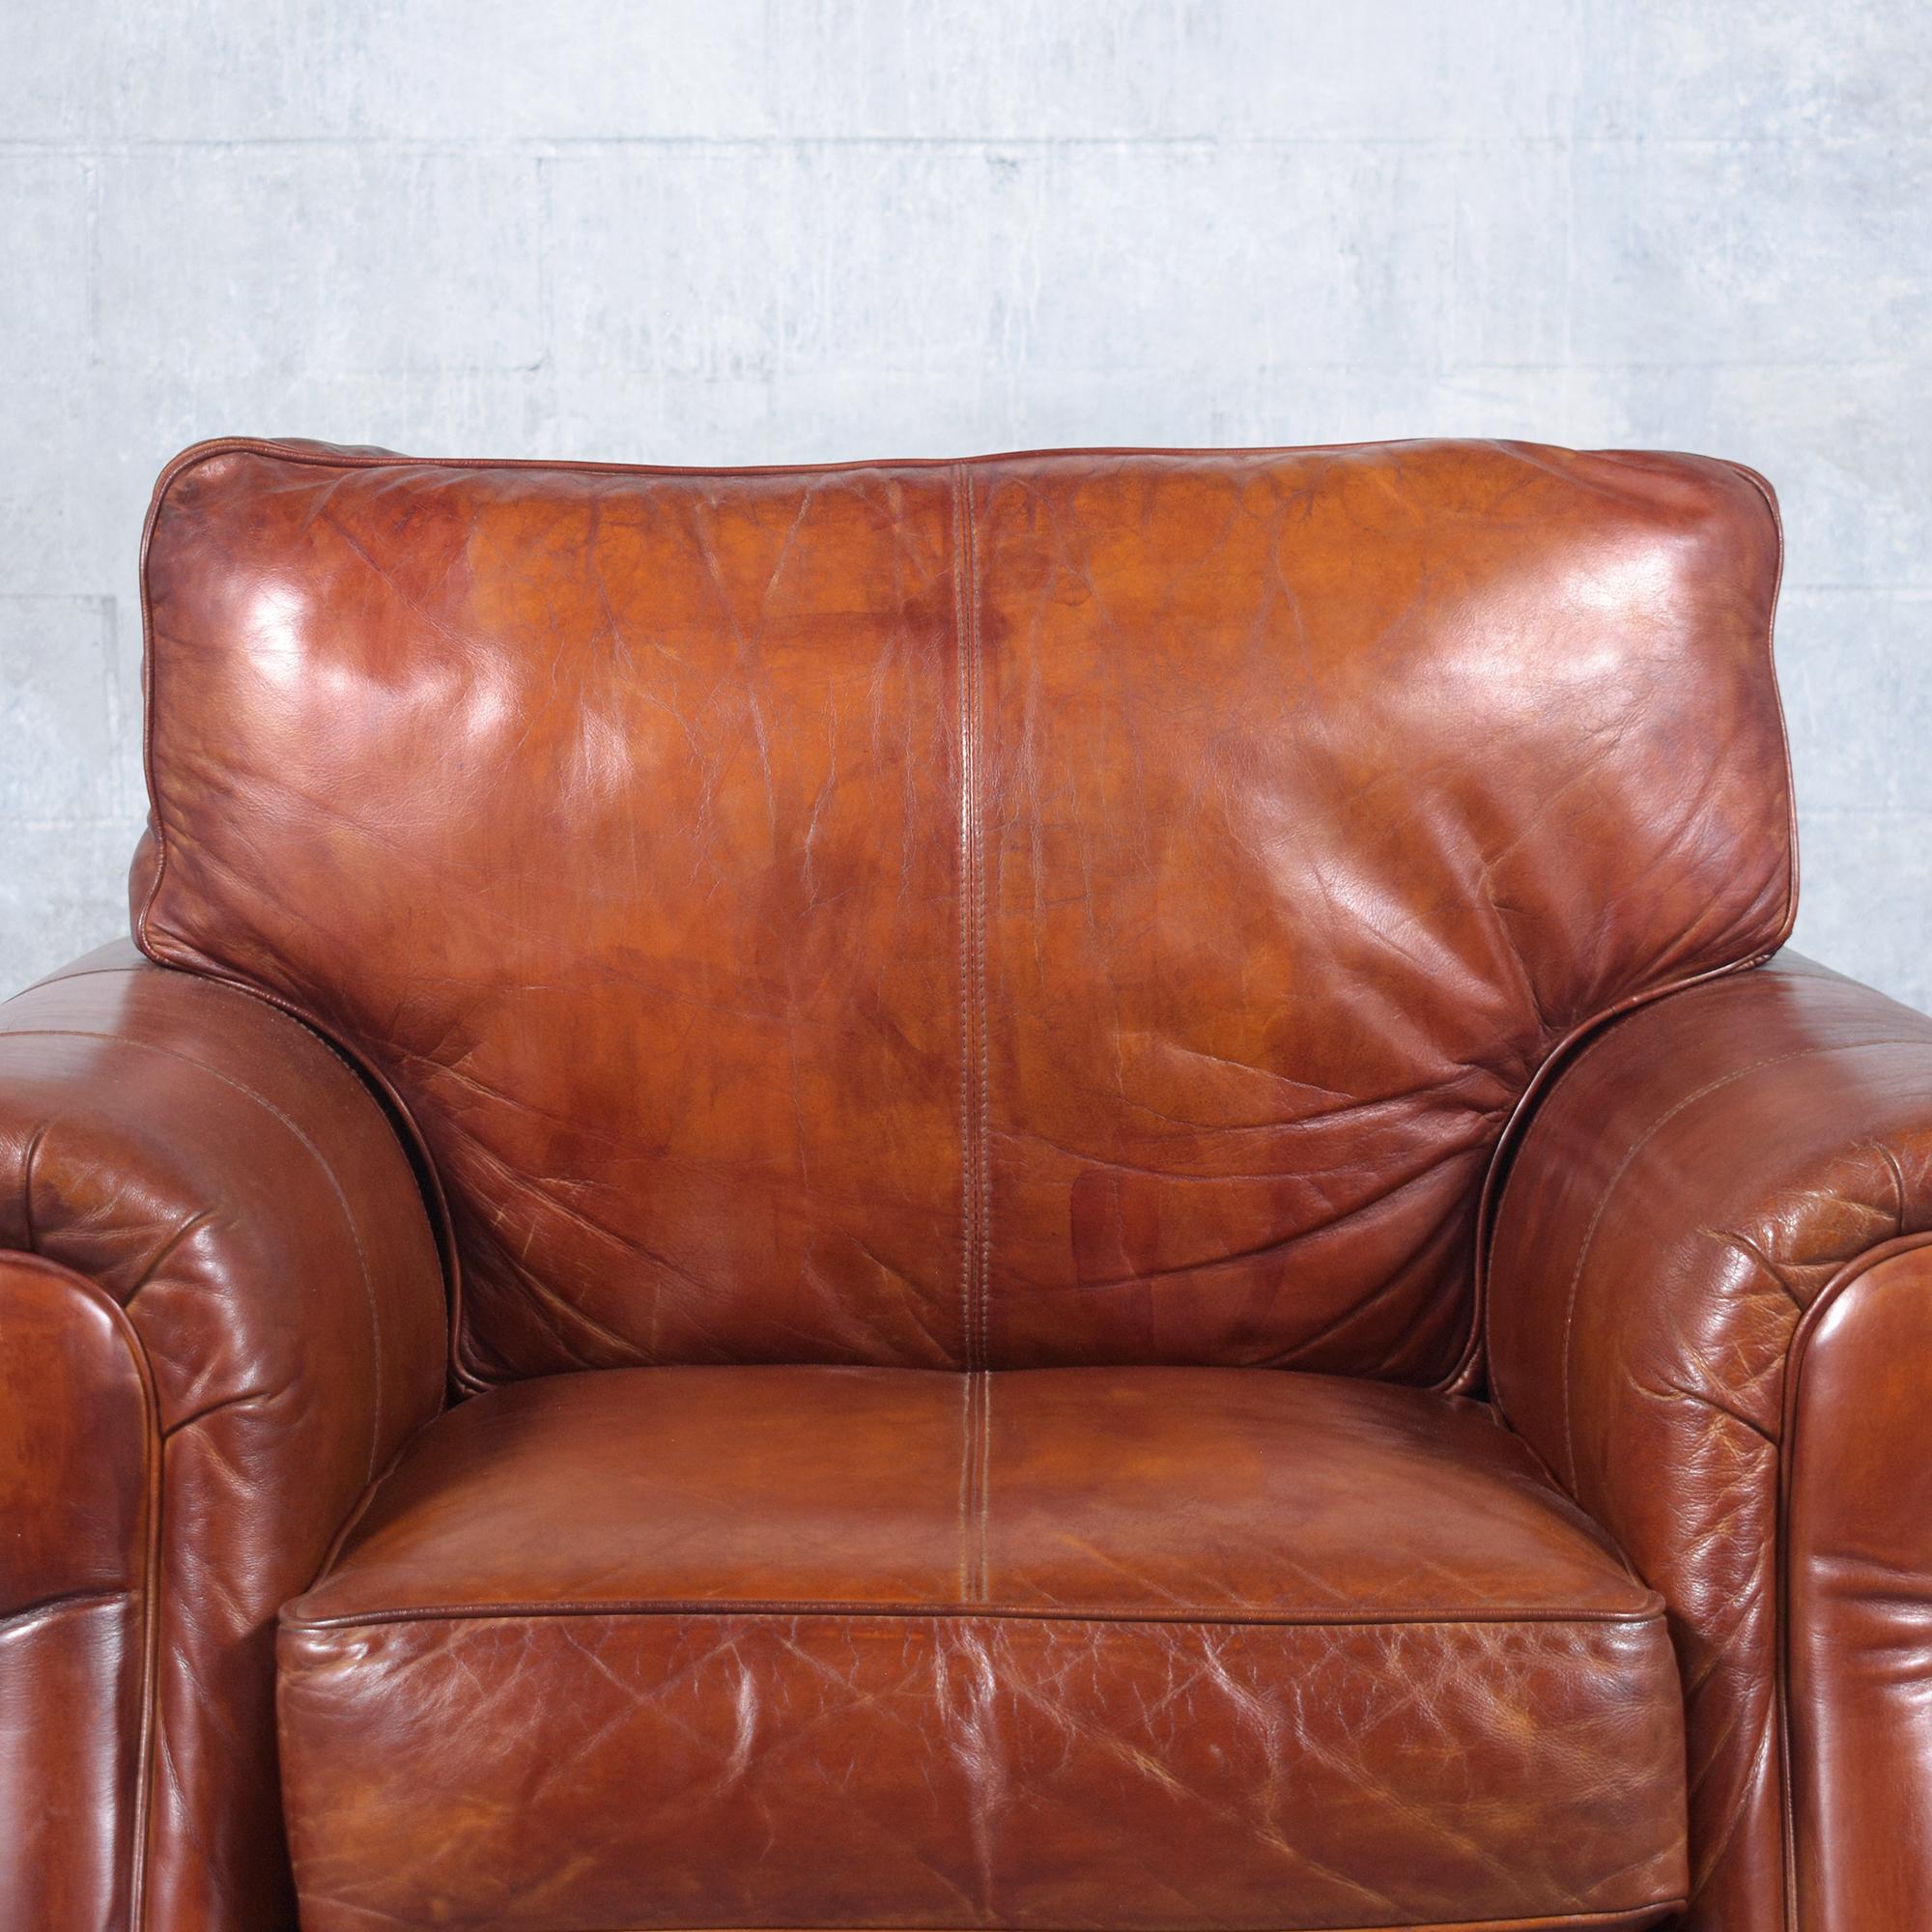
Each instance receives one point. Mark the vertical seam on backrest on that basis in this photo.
(969, 1189)
(982, 890)
(976, 1180)
(976, 1206)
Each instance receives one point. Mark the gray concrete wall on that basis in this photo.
(731, 231)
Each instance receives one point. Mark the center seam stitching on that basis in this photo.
(976, 1179)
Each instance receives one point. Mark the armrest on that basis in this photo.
(1711, 1312)
(221, 1314)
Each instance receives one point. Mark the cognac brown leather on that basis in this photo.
(1054, 909)
(77, 1522)
(977, 1037)
(220, 1316)
(1143, 1648)
(1857, 1581)
(1710, 1315)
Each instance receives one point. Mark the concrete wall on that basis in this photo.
(731, 231)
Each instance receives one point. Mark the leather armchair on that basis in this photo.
(1071, 1190)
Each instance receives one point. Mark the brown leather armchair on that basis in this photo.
(1064, 1191)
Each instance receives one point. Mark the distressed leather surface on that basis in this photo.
(77, 1523)
(1682, 1323)
(1857, 1528)
(1093, 907)
(220, 1315)
(1128, 1648)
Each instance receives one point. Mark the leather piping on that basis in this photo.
(153, 1452)
(952, 1613)
(1619, 1919)
(370, 457)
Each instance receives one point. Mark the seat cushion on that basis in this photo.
(1156, 1648)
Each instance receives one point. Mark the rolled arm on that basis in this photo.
(221, 1314)
(1710, 1310)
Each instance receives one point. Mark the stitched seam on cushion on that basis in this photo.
(327, 1172)
(965, 1483)
(1624, 1166)
(962, 698)
(986, 1478)
(975, 1181)
(823, 1612)
(983, 1280)
(971, 1489)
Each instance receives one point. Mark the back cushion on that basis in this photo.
(1091, 907)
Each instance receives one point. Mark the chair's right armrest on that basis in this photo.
(1711, 1312)
(221, 1314)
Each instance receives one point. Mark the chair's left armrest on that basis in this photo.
(221, 1314)
(1710, 1310)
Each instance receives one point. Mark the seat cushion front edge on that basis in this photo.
(614, 1769)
